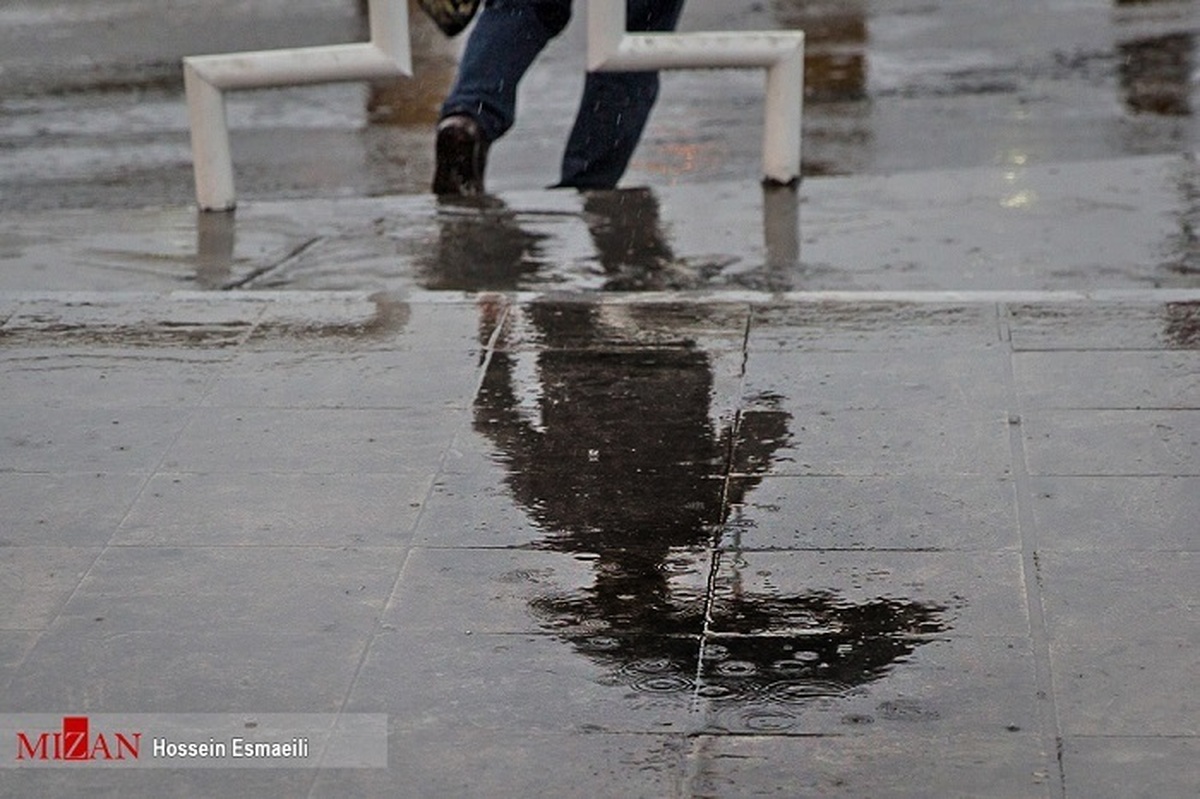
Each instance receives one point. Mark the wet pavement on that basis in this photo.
(92, 112)
(1116, 224)
(885, 487)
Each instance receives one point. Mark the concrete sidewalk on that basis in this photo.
(888, 489)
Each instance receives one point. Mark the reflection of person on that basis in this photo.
(481, 245)
(762, 646)
(623, 454)
(481, 107)
(620, 461)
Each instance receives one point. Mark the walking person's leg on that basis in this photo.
(481, 106)
(615, 107)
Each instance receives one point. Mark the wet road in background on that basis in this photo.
(92, 111)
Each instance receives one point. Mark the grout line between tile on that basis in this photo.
(485, 360)
(1051, 725)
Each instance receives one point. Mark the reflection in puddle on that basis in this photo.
(1156, 74)
(216, 238)
(760, 648)
(607, 241)
(836, 37)
(480, 245)
(1182, 324)
(622, 461)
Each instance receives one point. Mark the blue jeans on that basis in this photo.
(509, 35)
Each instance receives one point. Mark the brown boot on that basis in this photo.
(461, 156)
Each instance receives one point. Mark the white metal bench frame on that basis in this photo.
(780, 53)
(388, 54)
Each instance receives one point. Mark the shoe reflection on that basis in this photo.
(481, 244)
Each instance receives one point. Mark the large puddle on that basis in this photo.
(629, 452)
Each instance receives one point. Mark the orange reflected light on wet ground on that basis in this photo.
(672, 159)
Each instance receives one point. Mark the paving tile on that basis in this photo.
(343, 257)
(1122, 380)
(1123, 640)
(498, 591)
(99, 319)
(145, 249)
(486, 497)
(956, 685)
(1132, 768)
(436, 324)
(1112, 442)
(64, 509)
(373, 379)
(337, 320)
(571, 324)
(268, 590)
(1112, 513)
(35, 582)
(473, 453)
(573, 467)
(205, 669)
(465, 762)
(315, 441)
(822, 643)
(14, 645)
(121, 378)
(590, 509)
(500, 445)
(1142, 685)
(913, 512)
(549, 631)
(429, 680)
(617, 393)
(975, 594)
(275, 509)
(345, 321)
(963, 378)
(1103, 326)
(128, 440)
(897, 764)
(474, 511)
(862, 443)
(621, 631)
(872, 326)
(1096, 595)
(493, 589)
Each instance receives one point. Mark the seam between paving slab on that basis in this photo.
(348, 306)
(1049, 719)
(719, 296)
